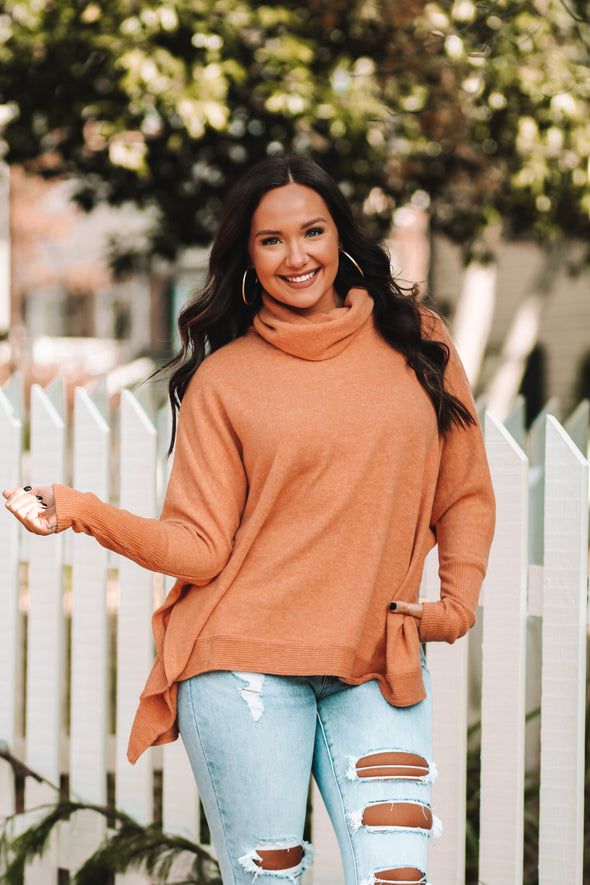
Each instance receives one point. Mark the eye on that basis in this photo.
(270, 241)
(314, 231)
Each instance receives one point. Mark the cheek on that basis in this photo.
(263, 265)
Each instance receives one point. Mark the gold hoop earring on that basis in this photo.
(350, 258)
(244, 299)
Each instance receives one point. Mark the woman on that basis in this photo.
(326, 440)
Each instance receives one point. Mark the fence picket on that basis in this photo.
(180, 799)
(45, 662)
(136, 598)
(503, 666)
(89, 657)
(11, 621)
(448, 671)
(561, 835)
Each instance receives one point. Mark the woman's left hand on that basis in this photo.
(400, 607)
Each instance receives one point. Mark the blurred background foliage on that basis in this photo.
(478, 111)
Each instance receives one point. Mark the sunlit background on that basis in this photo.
(458, 130)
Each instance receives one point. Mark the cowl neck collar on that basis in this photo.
(318, 337)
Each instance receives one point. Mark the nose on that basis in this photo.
(295, 254)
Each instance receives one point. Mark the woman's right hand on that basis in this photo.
(34, 507)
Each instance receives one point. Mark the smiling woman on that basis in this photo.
(293, 246)
(327, 439)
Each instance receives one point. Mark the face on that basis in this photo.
(293, 246)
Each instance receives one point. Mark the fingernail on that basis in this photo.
(43, 504)
(392, 606)
(27, 488)
(39, 497)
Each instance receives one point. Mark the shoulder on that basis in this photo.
(433, 326)
(223, 370)
(228, 359)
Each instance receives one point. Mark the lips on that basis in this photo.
(302, 278)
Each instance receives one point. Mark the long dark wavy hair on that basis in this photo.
(218, 314)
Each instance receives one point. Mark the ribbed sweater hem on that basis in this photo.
(402, 688)
(233, 653)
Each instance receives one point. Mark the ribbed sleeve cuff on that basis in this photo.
(454, 614)
(63, 505)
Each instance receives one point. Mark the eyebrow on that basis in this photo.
(267, 233)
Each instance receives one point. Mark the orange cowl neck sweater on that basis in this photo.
(309, 482)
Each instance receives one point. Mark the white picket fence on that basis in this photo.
(55, 707)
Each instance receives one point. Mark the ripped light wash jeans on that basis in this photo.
(253, 741)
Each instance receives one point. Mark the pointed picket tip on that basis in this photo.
(133, 413)
(508, 555)
(14, 390)
(566, 493)
(55, 391)
(138, 457)
(497, 434)
(47, 439)
(577, 426)
(557, 437)
(84, 403)
(91, 445)
(99, 396)
(43, 407)
(8, 413)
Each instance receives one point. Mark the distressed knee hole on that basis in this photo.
(286, 858)
(279, 858)
(394, 765)
(383, 816)
(414, 815)
(405, 875)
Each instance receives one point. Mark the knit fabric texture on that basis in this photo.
(309, 483)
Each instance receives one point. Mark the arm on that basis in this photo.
(206, 493)
(463, 516)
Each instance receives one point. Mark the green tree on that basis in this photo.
(479, 109)
(165, 103)
(490, 116)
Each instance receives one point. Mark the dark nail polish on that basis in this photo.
(27, 488)
(43, 504)
(392, 606)
(39, 497)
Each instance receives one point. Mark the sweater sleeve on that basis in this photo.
(463, 516)
(193, 538)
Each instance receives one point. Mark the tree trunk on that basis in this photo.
(473, 316)
(523, 333)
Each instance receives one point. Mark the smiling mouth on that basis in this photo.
(302, 278)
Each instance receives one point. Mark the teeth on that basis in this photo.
(303, 278)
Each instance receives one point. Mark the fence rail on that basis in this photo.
(75, 646)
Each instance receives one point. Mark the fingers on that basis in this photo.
(414, 609)
(33, 507)
(44, 494)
